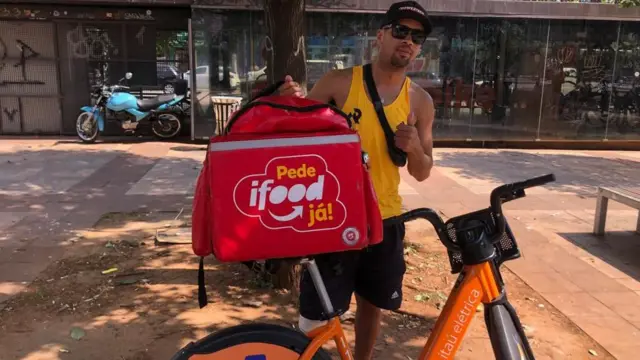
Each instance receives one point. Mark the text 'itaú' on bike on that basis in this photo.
(477, 244)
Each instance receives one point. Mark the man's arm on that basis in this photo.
(420, 160)
(329, 87)
(322, 90)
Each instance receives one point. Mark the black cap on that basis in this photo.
(408, 10)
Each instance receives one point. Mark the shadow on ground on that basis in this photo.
(135, 299)
(147, 309)
(575, 174)
(579, 174)
(620, 249)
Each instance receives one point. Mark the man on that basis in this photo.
(376, 273)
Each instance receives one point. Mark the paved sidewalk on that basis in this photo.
(593, 280)
(49, 190)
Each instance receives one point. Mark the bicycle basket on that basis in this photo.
(506, 247)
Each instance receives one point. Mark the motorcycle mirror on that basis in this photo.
(128, 75)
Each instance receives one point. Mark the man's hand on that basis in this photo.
(407, 138)
(290, 88)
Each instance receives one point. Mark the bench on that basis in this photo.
(624, 196)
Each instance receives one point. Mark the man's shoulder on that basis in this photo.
(420, 94)
(340, 75)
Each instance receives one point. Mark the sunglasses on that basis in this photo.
(401, 32)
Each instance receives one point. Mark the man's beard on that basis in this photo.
(399, 62)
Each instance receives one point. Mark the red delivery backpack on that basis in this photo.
(286, 179)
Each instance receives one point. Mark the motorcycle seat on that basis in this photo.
(150, 104)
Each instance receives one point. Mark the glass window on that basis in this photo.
(508, 68)
(624, 118)
(445, 70)
(230, 42)
(338, 41)
(577, 81)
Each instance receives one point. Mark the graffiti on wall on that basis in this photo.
(26, 53)
(140, 35)
(11, 115)
(89, 43)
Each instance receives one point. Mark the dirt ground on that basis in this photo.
(144, 305)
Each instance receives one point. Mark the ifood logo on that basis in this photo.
(297, 192)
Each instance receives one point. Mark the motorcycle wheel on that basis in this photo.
(87, 127)
(166, 126)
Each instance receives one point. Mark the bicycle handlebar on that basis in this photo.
(510, 192)
(435, 220)
(503, 193)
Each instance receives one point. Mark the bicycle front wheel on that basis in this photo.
(250, 342)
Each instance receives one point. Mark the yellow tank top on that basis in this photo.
(384, 174)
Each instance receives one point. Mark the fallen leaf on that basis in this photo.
(109, 271)
(528, 329)
(129, 281)
(77, 333)
(255, 304)
(131, 242)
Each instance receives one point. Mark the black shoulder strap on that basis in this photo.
(202, 290)
(398, 156)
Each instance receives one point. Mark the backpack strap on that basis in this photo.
(202, 290)
(398, 156)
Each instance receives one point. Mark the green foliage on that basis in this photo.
(167, 41)
(628, 3)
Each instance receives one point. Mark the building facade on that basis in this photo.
(52, 55)
(496, 70)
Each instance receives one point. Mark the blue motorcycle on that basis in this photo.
(161, 113)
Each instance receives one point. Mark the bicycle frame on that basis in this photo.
(476, 284)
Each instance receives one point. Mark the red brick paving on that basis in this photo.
(590, 279)
(594, 281)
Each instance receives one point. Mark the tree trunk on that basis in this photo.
(285, 54)
(285, 45)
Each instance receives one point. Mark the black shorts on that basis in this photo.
(374, 273)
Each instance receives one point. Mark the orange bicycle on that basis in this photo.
(477, 244)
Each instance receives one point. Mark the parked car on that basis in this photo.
(167, 76)
(202, 77)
